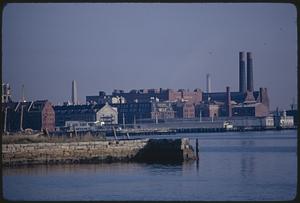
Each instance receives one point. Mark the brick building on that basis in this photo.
(145, 95)
(37, 115)
(89, 113)
(162, 110)
(129, 113)
(184, 109)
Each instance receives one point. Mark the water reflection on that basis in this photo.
(247, 159)
(44, 170)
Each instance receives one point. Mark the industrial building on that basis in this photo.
(89, 113)
(136, 104)
(36, 115)
(246, 102)
(145, 95)
(184, 109)
(162, 111)
(129, 113)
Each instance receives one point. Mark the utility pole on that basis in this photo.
(123, 121)
(134, 121)
(5, 119)
(23, 94)
(200, 116)
(21, 119)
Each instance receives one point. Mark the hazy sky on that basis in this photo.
(133, 46)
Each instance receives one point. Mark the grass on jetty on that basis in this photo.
(25, 139)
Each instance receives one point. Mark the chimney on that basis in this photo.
(228, 102)
(208, 83)
(260, 95)
(74, 93)
(242, 73)
(249, 72)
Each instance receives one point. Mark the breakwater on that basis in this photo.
(141, 150)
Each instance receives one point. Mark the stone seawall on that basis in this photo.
(144, 150)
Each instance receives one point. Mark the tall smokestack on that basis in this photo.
(261, 95)
(74, 93)
(228, 102)
(249, 72)
(208, 83)
(242, 73)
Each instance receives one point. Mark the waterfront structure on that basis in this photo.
(36, 115)
(294, 114)
(80, 126)
(90, 113)
(282, 120)
(74, 93)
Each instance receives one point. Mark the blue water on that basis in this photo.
(232, 166)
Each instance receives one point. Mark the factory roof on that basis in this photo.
(221, 96)
(79, 108)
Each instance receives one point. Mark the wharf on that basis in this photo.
(139, 150)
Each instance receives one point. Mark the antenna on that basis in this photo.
(23, 94)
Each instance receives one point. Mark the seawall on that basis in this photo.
(142, 150)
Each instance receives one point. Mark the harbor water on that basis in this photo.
(232, 166)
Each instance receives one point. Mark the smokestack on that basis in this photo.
(228, 102)
(260, 95)
(242, 73)
(74, 93)
(249, 72)
(208, 83)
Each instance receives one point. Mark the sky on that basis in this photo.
(128, 46)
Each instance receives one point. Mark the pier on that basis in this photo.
(141, 150)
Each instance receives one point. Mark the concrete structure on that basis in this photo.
(90, 113)
(74, 93)
(37, 115)
(144, 150)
